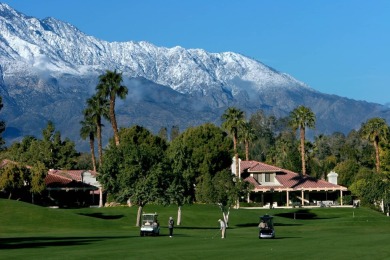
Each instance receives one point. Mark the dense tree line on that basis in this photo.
(194, 165)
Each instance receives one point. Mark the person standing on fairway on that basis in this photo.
(171, 223)
(222, 227)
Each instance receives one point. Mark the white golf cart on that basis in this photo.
(266, 227)
(149, 225)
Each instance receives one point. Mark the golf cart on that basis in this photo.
(149, 225)
(266, 227)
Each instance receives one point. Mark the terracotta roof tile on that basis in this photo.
(288, 180)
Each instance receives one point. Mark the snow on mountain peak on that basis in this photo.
(59, 47)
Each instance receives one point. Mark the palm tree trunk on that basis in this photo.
(302, 135)
(377, 160)
(92, 147)
(140, 208)
(113, 120)
(236, 155)
(237, 166)
(179, 215)
(247, 150)
(100, 148)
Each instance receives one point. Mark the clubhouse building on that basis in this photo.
(277, 187)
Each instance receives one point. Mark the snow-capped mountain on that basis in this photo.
(48, 68)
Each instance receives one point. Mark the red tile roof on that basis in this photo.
(66, 178)
(286, 180)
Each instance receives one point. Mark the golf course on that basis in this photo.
(32, 232)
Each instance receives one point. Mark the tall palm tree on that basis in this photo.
(375, 130)
(110, 87)
(97, 107)
(248, 135)
(88, 130)
(302, 117)
(233, 120)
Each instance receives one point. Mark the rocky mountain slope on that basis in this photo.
(48, 68)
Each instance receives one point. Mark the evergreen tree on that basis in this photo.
(136, 168)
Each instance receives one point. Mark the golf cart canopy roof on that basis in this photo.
(266, 217)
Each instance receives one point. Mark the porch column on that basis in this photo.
(341, 197)
(100, 197)
(303, 198)
(287, 198)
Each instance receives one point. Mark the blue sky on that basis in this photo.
(337, 47)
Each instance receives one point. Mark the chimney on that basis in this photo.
(332, 177)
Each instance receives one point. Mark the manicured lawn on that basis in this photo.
(33, 232)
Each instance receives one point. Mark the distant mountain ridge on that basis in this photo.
(48, 68)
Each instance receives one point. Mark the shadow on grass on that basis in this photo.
(101, 215)
(299, 214)
(275, 224)
(198, 228)
(40, 242)
(279, 238)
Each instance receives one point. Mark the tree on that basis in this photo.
(284, 152)
(233, 120)
(302, 117)
(53, 152)
(248, 135)
(228, 191)
(264, 128)
(97, 107)
(136, 168)
(370, 188)
(38, 174)
(163, 133)
(110, 87)
(12, 178)
(176, 194)
(375, 130)
(347, 171)
(199, 151)
(88, 130)
(175, 132)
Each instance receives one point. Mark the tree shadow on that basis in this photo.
(299, 214)
(101, 215)
(279, 238)
(41, 242)
(286, 225)
(275, 224)
(197, 228)
(254, 224)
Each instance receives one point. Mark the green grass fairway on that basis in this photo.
(32, 232)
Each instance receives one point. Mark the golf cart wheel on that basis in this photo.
(141, 234)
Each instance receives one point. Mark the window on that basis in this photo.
(257, 177)
(264, 177)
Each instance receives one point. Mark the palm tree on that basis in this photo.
(375, 130)
(248, 135)
(110, 87)
(302, 117)
(88, 130)
(97, 107)
(233, 120)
